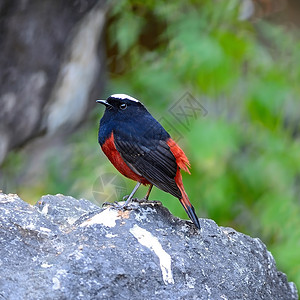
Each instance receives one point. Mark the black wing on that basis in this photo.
(151, 159)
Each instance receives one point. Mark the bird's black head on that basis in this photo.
(121, 107)
(126, 117)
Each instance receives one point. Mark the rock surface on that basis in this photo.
(63, 248)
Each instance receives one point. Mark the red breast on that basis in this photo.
(115, 158)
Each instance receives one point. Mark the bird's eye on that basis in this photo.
(123, 106)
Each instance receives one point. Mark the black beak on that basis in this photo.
(104, 102)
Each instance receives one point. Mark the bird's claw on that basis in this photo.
(155, 202)
(115, 205)
(146, 201)
(139, 200)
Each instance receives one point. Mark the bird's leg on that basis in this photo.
(146, 198)
(131, 195)
(148, 193)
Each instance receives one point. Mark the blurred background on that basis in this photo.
(222, 77)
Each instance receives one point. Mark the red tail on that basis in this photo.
(183, 163)
(181, 159)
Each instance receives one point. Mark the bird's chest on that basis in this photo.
(109, 149)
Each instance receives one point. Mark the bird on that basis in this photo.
(142, 150)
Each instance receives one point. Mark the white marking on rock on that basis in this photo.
(208, 289)
(45, 229)
(71, 220)
(45, 209)
(46, 265)
(107, 218)
(30, 226)
(56, 278)
(124, 96)
(146, 239)
(110, 235)
(56, 283)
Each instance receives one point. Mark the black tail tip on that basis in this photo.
(191, 213)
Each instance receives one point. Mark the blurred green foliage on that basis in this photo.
(245, 153)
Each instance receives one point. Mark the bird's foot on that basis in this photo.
(146, 201)
(155, 202)
(139, 200)
(121, 205)
(117, 205)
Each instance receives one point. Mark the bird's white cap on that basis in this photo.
(124, 96)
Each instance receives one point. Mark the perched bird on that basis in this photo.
(142, 150)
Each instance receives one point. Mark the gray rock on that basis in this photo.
(52, 64)
(63, 248)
